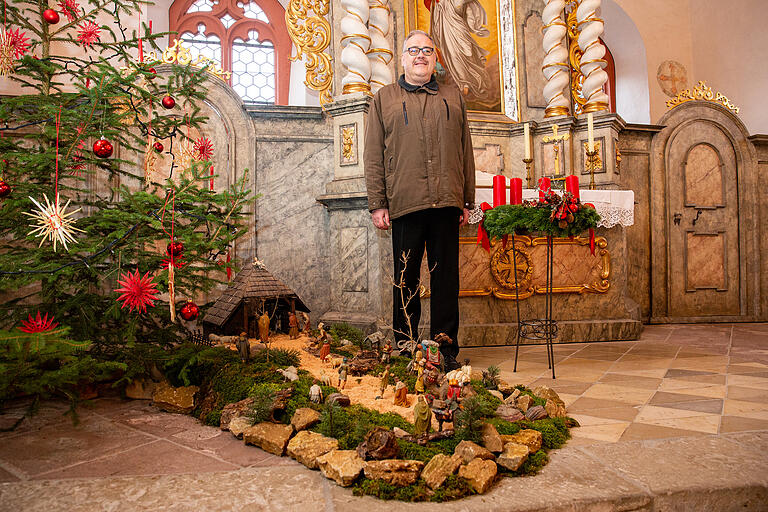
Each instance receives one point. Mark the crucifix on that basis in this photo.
(556, 138)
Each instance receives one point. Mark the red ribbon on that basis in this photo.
(482, 234)
(592, 241)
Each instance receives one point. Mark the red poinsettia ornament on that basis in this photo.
(18, 42)
(38, 324)
(203, 149)
(88, 33)
(189, 311)
(69, 8)
(137, 291)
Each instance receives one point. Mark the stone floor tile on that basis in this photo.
(747, 394)
(586, 420)
(607, 432)
(63, 444)
(740, 424)
(711, 406)
(665, 397)
(621, 366)
(641, 431)
(7, 476)
(739, 407)
(159, 457)
(704, 391)
(624, 394)
(631, 381)
(624, 413)
(653, 413)
(586, 405)
(715, 378)
(676, 373)
(655, 373)
(708, 424)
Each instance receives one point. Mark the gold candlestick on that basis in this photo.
(591, 164)
(528, 174)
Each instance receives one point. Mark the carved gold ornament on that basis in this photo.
(347, 141)
(312, 34)
(596, 163)
(574, 57)
(178, 53)
(702, 92)
(508, 268)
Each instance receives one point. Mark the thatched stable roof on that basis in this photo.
(254, 281)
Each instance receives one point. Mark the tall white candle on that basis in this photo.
(591, 132)
(527, 137)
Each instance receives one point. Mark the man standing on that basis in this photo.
(420, 175)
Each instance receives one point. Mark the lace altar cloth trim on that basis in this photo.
(616, 207)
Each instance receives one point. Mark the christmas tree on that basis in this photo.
(108, 223)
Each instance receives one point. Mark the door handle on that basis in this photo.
(698, 213)
(677, 218)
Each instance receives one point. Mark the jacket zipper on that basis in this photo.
(405, 115)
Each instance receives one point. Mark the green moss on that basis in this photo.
(483, 393)
(278, 357)
(414, 451)
(344, 331)
(534, 464)
(454, 487)
(554, 431)
(350, 424)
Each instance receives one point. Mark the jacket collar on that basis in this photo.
(430, 87)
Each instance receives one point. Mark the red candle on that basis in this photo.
(544, 185)
(572, 185)
(516, 191)
(499, 190)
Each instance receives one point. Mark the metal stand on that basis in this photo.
(537, 329)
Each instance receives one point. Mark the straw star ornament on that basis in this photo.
(53, 222)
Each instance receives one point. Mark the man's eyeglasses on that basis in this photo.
(426, 50)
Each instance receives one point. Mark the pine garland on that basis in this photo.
(536, 218)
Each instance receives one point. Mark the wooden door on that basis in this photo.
(703, 223)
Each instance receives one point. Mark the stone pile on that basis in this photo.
(376, 457)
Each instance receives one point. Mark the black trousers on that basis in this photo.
(437, 230)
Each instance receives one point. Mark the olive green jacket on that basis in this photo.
(418, 151)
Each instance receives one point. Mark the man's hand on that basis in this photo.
(464, 218)
(380, 218)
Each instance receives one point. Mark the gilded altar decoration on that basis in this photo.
(348, 134)
(702, 92)
(591, 62)
(179, 54)
(355, 43)
(574, 59)
(554, 65)
(594, 164)
(310, 31)
(576, 271)
(379, 54)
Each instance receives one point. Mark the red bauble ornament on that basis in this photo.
(50, 16)
(168, 102)
(102, 148)
(5, 189)
(189, 311)
(175, 249)
(153, 71)
(158, 146)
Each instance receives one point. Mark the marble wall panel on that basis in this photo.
(705, 261)
(354, 259)
(534, 56)
(291, 226)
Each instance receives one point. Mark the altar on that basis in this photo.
(590, 293)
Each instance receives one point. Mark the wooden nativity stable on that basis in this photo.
(253, 291)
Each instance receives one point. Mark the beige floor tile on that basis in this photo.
(747, 381)
(757, 415)
(741, 407)
(586, 405)
(751, 365)
(748, 394)
(740, 424)
(608, 433)
(588, 421)
(708, 424)
(705, 391)
(568, 399)
(575, 374)
(631, 381)
(642, 431)
(621, 366)
(584, 441)
(714, 368)
(654, 413)
(655, 373)
(624, 413)
(702, 361)
(633, 396)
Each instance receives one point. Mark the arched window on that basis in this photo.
(248, 38)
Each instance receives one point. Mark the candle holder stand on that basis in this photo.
(591, 164)
(538, 329)
(528, 174)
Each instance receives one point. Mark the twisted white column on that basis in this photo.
(355, 42)
(380, 54)
(555, 63)
(593, 51)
